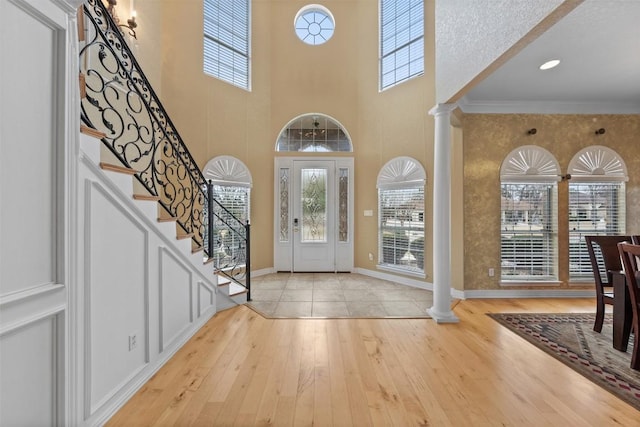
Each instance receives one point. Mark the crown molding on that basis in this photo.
(547, 107)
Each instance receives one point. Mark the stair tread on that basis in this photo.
(232, 267)
(146, 197)
(184, 236)
(92, 132)
(116, 168)
(167, 219)
(83, 85)
(223, 280)
(236, 289)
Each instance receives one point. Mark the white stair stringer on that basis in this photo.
(91, 149)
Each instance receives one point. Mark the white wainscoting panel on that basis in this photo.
(206, 298)
(34, 211)
(116, 286)
(176, 308)
(29, 147)
(29, 358)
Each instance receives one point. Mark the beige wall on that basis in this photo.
(487, 141)
(289, 78)
(340, 79)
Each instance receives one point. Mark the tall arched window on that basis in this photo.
(401, 185)
(231, 184)
(596, 202)
(528, 215)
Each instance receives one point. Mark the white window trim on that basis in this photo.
(531, 164)
(596, 164)
(214, 40)
(381, 57)
(397, 174)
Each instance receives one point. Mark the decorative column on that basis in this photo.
(441, 309)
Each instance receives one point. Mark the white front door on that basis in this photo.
(314, 215)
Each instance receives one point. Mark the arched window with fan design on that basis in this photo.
(232, 184)
(528, 221)
(596, 203)
(401, 237)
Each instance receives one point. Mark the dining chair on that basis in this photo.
(602, 266)
(630, 255)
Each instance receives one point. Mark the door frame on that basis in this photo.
(283, 224)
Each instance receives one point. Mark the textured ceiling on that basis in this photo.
(599, 46)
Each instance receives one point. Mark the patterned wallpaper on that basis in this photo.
(489, 138)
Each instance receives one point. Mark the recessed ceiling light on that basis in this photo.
(550, 64)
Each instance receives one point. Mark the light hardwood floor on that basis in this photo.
(242, 369)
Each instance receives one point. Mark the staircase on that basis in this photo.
(145, 157)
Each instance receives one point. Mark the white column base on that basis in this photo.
(442, 317)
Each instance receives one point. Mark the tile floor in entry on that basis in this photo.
(341, 295)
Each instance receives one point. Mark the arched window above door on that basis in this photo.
(314, 133)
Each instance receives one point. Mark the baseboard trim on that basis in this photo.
(469, 294)
(526, 293)
(394, 278)
(262, 272)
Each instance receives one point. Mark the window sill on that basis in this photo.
(400, 270)
(530, 283)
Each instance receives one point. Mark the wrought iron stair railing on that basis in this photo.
(121, 103)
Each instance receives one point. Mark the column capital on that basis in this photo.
(440, 109)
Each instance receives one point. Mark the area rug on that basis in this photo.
(570, 338)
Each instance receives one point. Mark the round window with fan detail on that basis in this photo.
(314, 24)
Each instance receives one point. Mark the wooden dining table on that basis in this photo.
(622, 314)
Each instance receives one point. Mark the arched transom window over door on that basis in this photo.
(529, 178)
(314, 133)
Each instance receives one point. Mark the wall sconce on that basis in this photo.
(532, 131)
(131, 22)
(600, 131)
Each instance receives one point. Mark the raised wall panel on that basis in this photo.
(206, 298)
(28, 361)
(176, 311)
(29, 141)
(116, 286)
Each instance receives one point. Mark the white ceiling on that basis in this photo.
(598, 44)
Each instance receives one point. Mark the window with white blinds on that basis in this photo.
(234, 199)
(401, 185)
(402, 228)
(528, 231)
(226, 41)
(595, 208)
(401, 41)
(596, 203)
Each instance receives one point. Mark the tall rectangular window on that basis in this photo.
(529, 231)
(402, 228)
(226, 41)
(401, 41)
(595, 208)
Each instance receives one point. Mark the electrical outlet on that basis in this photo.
(133, 341)
(492, 272)
(370, 256)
